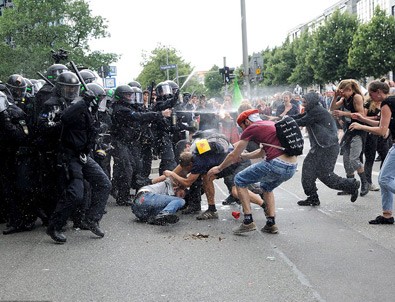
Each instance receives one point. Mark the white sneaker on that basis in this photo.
(373, 187)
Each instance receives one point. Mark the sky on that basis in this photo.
(202, 31)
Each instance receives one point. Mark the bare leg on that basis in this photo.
(209, 190)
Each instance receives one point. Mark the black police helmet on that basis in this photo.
(123, 93)
(54, 71)
(174, 86)
(163, 90)
(88, 76)
(134, 84)
(16, 84)
(68, 85)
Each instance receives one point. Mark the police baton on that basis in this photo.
(45, 79)
(77, 72)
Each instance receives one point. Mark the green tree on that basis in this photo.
(372, 50)
(329, 51)
(32, 28)
(281, 64)
(160, 56)
(214, 82)
(303, 73)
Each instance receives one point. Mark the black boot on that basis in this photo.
(354, 190)
(345, 192)
(56, 235)
(364, 184)
(311, 200)
(94, 227)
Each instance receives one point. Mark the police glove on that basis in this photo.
(3, 102)
(90, 98)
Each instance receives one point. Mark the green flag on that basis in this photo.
(237, 96)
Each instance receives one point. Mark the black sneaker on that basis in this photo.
(229, 200)
(382, 220)
(164, 218)
(310, 201)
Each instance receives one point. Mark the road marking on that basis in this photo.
(301, 277)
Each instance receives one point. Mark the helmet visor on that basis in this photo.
(70, 92)
(127, 97)
(137, 98)
(18, 93)
(163, 90)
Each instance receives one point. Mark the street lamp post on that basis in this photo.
(244, 42)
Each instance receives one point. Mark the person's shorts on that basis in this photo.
(270, 174)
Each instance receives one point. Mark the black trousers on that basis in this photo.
(73, 195)
(374, 143)
(319, 164)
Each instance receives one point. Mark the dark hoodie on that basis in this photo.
(319, 123)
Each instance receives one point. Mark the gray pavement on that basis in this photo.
(326, 253)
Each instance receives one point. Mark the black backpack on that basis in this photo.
(289, 135)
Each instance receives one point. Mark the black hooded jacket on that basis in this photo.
(320, 124)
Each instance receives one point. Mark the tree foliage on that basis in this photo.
(303, 73)
(329, 52)
(162, 55)
(280, 64)
(372, 51)
(214, 82)
(32, 28)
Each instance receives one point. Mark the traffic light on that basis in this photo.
(227, 74)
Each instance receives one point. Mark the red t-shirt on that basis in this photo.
(263, 132)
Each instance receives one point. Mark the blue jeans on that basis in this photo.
(151, 204)
(387, 180)
(270, 174)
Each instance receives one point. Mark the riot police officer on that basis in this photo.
(103, 140)
(126, 121)
(166, 97)
(77, 136)
(45, 91)
(13, 134)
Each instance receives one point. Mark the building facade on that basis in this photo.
(364, 9)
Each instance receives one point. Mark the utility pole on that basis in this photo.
(245, 50)
(167, 63)
(226, 84)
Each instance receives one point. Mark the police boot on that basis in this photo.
(311, 200)
(56, 235)
(364, 184)
(94, 227)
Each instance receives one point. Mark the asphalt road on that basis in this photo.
(325, 253)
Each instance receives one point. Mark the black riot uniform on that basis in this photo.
(13, 135)
(166, 97)
(73, 137)
(125, 132)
